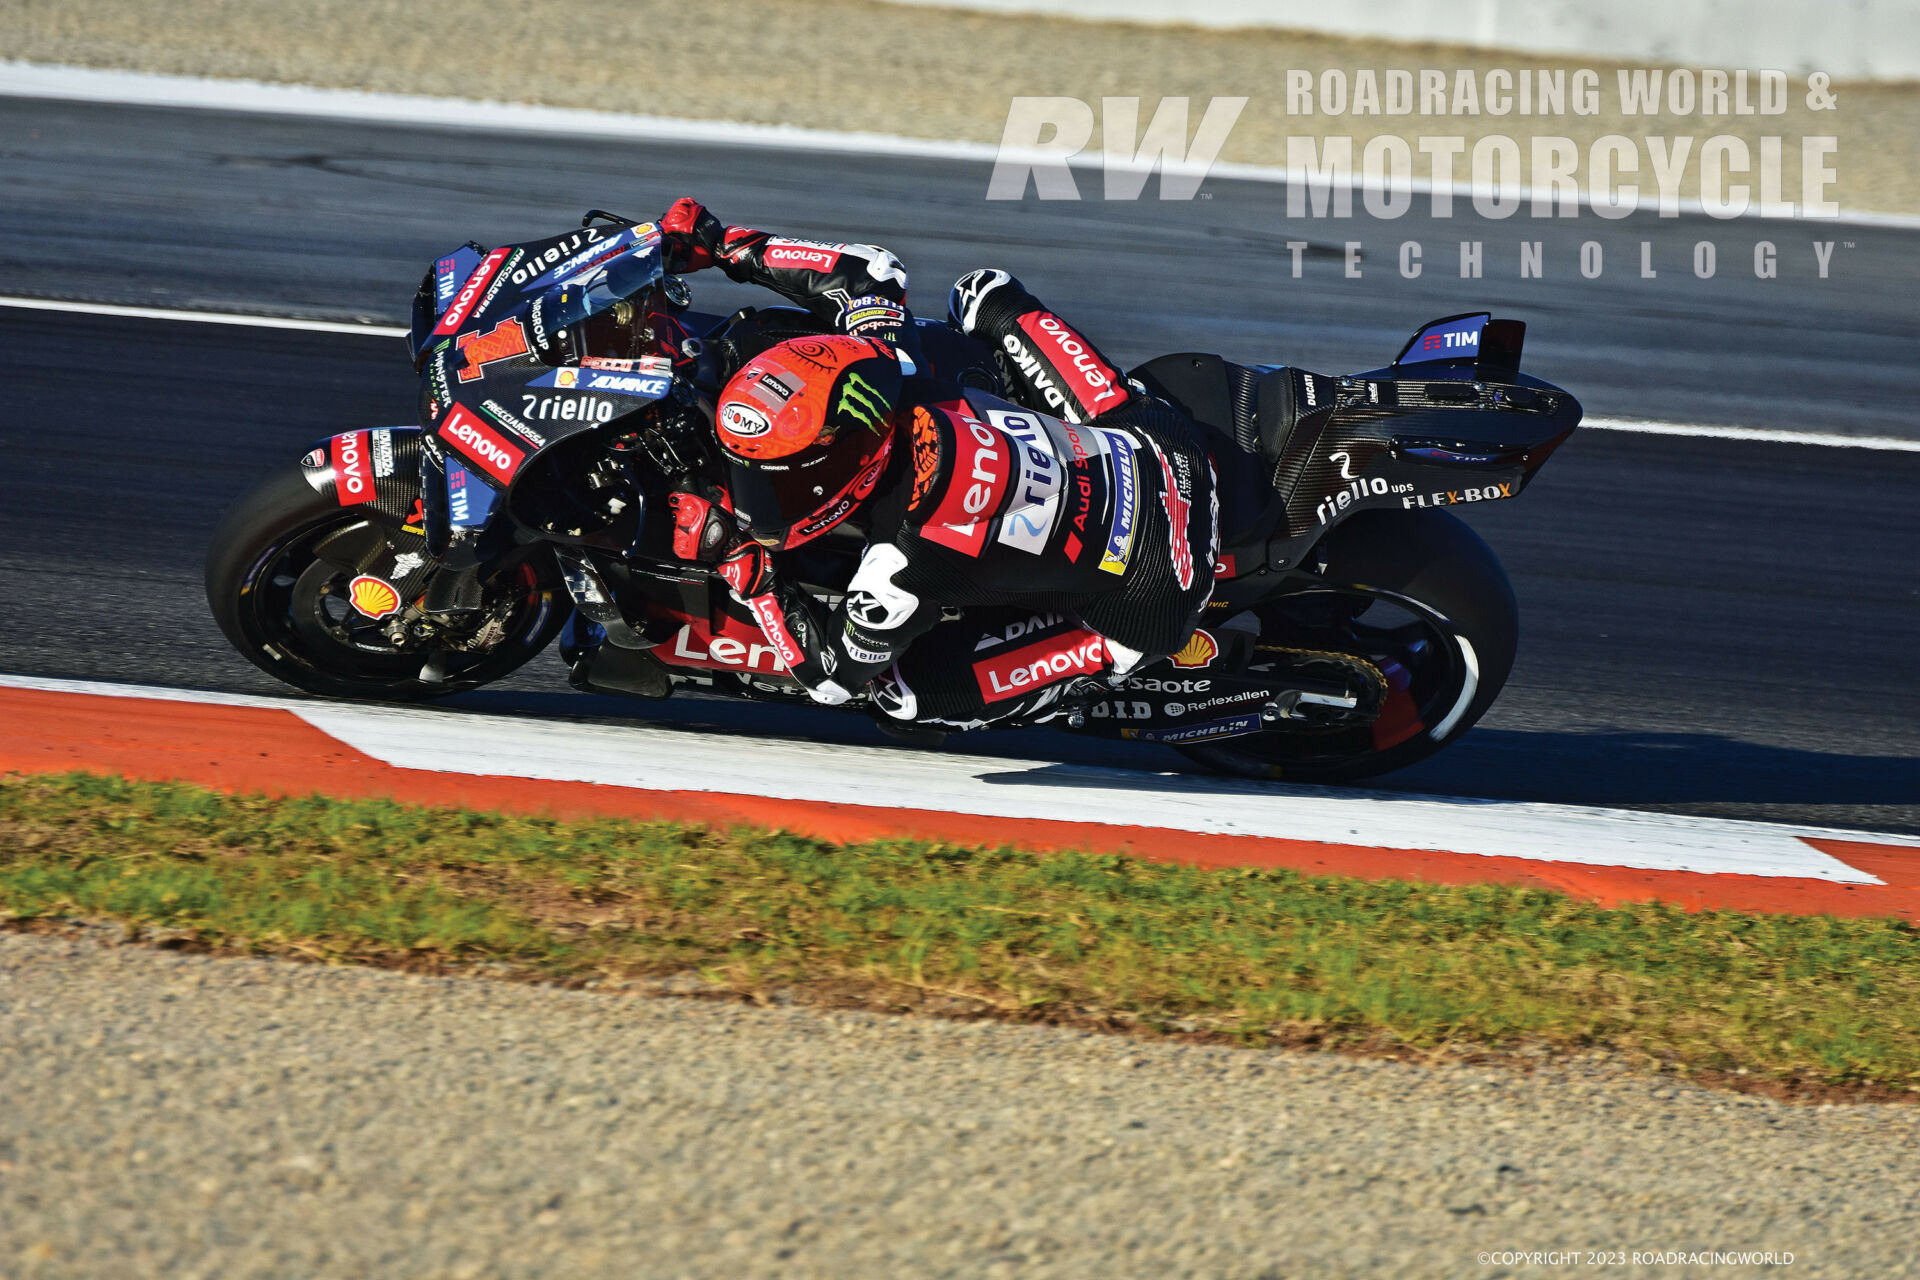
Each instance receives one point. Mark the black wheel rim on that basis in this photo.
(1385, 628)
(294, 601)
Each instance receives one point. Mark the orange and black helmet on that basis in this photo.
(806, 428)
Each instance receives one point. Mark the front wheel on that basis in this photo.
(1424, 603)
(277, 580)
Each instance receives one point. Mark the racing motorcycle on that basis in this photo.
(568, 387)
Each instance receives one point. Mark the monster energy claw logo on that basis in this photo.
(859, 401)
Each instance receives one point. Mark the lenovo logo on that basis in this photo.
(352, 482)
(1095, 378)
(696, 648)
(773, 624)
(980, 474)
(1034, 666)
(481, 443)
(790, 255)
(457, 314)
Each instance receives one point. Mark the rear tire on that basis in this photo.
(1431, 564)
(263, 550)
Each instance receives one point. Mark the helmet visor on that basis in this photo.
(798, 498)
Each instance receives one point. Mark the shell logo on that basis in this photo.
(1200, 650)
(375, 597)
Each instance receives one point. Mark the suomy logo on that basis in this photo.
(743, 420)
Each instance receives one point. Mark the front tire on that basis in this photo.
(280, 602)
(1454, 652)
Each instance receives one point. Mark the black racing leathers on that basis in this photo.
(1080, 539)
(858, 288)
(1077, 527)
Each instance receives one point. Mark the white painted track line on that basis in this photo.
(663, 759)
(1763, 435)
(202, 317)
(1766, 435)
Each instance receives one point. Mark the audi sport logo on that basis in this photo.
(481, 443)
(352, 482)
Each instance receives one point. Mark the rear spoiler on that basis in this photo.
(1491, 347)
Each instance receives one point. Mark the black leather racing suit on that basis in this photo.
(1080, 539)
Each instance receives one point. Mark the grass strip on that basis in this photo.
(1779, 1002)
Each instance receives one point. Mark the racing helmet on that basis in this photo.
(806, 428)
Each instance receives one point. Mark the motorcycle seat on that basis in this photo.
(1247, 413)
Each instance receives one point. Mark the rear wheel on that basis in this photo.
(277, 575)
(1425, 604)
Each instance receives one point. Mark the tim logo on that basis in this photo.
(1067, 125)
(1444, 341)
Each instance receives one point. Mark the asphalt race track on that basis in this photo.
(1712, 627)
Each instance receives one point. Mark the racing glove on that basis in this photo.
(858, 288)
(704, 532)
(693, 235)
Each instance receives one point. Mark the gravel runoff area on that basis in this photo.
(176, 1115)
(857, 64)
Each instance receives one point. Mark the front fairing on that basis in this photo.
(489, 400)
